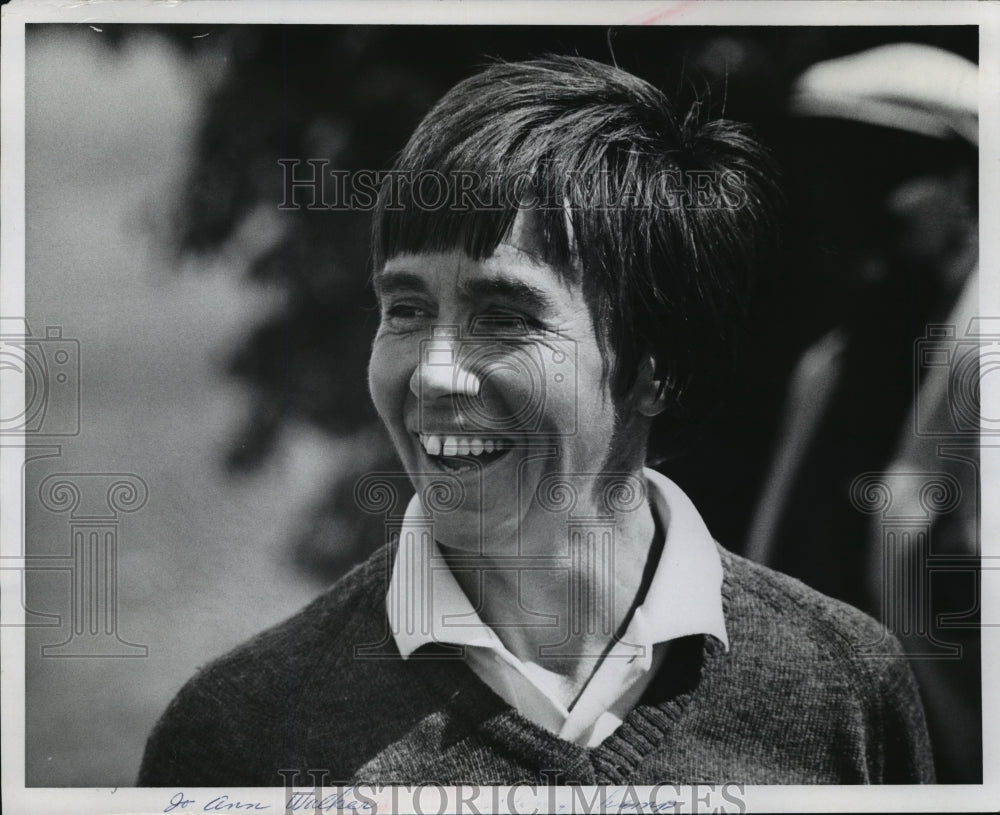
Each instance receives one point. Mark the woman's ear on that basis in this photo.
(651, 392)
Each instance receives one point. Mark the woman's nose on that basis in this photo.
(440, 373)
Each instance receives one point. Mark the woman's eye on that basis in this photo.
(404, 312)
(503, 322)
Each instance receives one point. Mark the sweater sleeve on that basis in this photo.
(190, 746)
(901, 752)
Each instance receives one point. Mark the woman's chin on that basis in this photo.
(472, 532)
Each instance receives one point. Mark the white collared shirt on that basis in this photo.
(426, 604)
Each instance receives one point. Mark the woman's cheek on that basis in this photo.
(387, 382)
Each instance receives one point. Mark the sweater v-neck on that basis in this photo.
(557, 761)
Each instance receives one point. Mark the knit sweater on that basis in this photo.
(811, 691)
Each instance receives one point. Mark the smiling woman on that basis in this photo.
(547, 607)
(496, 385)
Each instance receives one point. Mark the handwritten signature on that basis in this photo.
(221, 803)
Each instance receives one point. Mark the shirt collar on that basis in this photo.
(685, 594)
(684, 597)
(421, 575)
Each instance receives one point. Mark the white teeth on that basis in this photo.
(436, 445)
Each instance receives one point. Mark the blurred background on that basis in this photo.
(223, 343)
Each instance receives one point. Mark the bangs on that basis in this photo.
(438, 205)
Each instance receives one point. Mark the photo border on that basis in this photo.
(18, 799)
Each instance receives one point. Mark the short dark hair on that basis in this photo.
(668, 280)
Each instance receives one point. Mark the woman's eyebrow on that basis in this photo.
(391, 282)
(512, 290)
